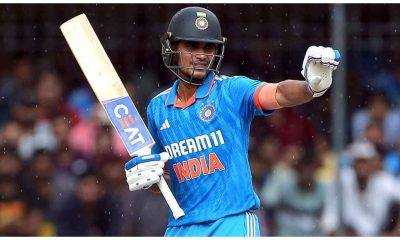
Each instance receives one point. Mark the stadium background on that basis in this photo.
(61, 167)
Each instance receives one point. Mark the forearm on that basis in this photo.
(292, 93)
(287, 93)
(318, 64)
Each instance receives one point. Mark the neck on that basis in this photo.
(186, 91)
(362, 183)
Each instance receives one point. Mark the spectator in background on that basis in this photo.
(297, 203)
(66, 169)
(103, 152)
(88, 212)
(113, 177)
(392, 161)
(387, 80)
(145, 214)
(39, 180)
(37, 116)
(268, 149)
(61, 130)
(25, 113)
(142, 86)
(50, 99)
(11, 133)
(378, 110)
(82, 100)
(374, 132)
(36, 224)
(13, 205)
(19, 84)
(280, 174)
(259, 170)
(393, 228)
(366, 196)
(284, 124)
(39, 184)
(34, 135)
(263, 157)
(41, 137)
(322, 149)
(84, 136)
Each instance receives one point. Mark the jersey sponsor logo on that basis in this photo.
(196, 144)
(196, 167)
(207, 113)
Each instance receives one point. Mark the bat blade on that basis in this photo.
(111, 93)
(106, 84)
(92, 58)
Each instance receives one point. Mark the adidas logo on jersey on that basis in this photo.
(165, 125)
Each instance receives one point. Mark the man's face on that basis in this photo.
(363, 167)
(199, 60)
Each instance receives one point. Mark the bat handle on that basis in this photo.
(164, 188)
(169, 197)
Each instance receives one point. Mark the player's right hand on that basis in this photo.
(318, 65)
(143, 171)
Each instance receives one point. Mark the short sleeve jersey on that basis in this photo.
(208, 142)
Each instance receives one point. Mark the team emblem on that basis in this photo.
(201, 23)
(207, 113)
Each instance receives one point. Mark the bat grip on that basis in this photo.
(169, 197)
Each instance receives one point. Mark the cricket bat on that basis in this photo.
(111, 93)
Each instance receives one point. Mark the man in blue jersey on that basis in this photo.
(203, 123)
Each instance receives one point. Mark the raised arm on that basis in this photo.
(318, 64)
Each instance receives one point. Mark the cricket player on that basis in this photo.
(203, 123)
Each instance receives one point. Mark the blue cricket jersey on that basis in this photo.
(208, 142)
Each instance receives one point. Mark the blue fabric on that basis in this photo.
(392, 163)
(142, 159)
(239, 225)
(208, 142)
(83, 100)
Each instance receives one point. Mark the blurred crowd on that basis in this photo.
(61, 164)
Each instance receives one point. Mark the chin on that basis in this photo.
(200, 74)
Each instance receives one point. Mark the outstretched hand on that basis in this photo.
(318, 65)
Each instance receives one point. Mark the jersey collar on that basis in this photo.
(202, 92)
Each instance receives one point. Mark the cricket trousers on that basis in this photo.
(240, 225)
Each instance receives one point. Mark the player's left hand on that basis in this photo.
(318, 65)
(143, 171)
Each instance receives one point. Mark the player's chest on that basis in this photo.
(205, 115)
(194, 136)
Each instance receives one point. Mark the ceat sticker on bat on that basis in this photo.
(130, 126)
